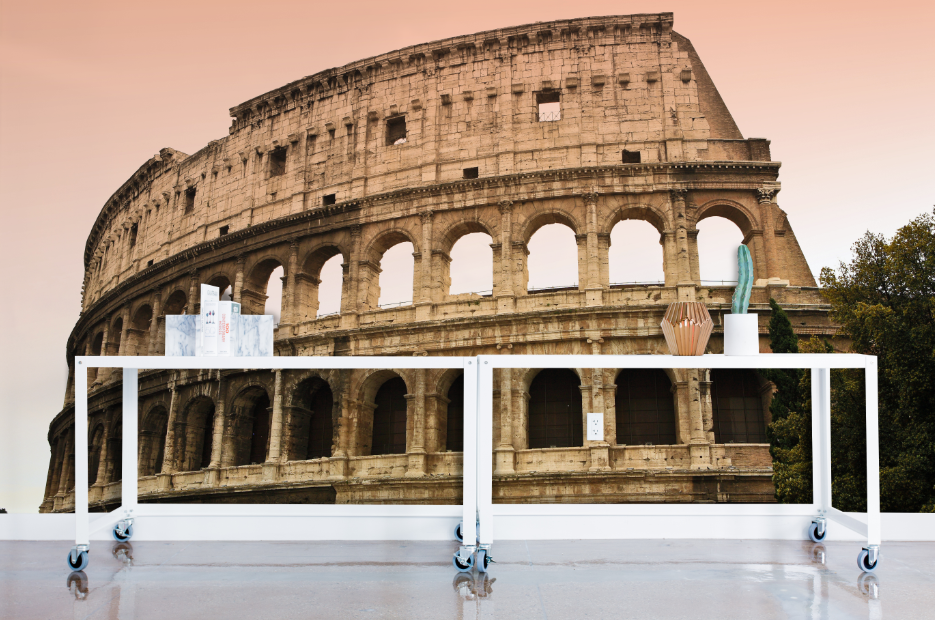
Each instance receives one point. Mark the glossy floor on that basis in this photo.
(534, 579)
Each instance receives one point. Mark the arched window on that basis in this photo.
(153, 441)
(454, 440)
(737, 407)
(321, 424)
(274, 295)
(138, 336)
(396, 272)
(635, 254)
(472, 264)
(718, 239)
(207, 439)
(259, 433)
(116, 453)
(198, 434)
(177, 303)
(553, 258)
(389, 418)
(555, 410)
(329, 289)
(645, 408)
(94, 453)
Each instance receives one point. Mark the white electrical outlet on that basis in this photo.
(596, 427)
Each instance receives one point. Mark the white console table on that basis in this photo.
(554, 521)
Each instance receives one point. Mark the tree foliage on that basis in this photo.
(884, 299)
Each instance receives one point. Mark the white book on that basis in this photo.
(209, 319)
(228, 314)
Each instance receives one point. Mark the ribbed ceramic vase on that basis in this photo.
(687, 327)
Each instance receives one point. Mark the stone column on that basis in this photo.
(506, 298)
(168, 458)
(217, 443)
(238, 280)
(773, 255)
(154, 329)
(693, 255)
(416, 449)
(104, 373)
(103, 469)
(603, 251)
(594, 288)
(425, 294)
(122, 347)
(686, 286)
(193, 293)
(350, 303)
(343, 430)
(271, 466)
(504, 451)
(68, 464)
(289, 311)
(698, 442)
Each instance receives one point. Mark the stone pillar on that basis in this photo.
(693, 255)
(599, 450)
(506, 297)
(238, 280)
(773, 259)
(68, 464)
(168, 458)
(350, 299)
(271, 466)
(504, 451)
(104, 373)
(343, 430)
(289, 311)
(194, 293)
(686, 286)
(218, 441)
(425, 294)
(154, 330)
(416, 448)
(594, 288)
(122, 346)
(603, 251)
(699, 447)
(103, 469)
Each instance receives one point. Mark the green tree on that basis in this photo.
(884, 299)
(790, 429)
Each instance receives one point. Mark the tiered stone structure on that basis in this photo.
(424, 145)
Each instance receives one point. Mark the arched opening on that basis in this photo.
(330, 285)
(397, 267)
(138, 334)
(115, 453)
(224, 286)
(116, 331)
(553, 258)
(97, 345)
(251, 413)
(471, 267)
(635, 255)
(555, 419)
(94, 453)
(389, 418)
(319, 284)
(645, 408)
(454, 440)
(718, 239)
(262, 292)
(177, 303)
(314, 424)
(153, 441)
(737, 407)
(198, 434)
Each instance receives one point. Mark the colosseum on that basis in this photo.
(583, 123)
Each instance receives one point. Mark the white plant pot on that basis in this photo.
(741, 334)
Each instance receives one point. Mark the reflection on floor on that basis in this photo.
(531, 579)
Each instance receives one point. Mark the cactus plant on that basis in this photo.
(741, 299)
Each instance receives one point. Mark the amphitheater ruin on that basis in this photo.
(584, 123)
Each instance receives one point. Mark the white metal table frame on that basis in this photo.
(478, 439)
(130, 509)
(820, 509)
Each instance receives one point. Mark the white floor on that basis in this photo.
(531, 579)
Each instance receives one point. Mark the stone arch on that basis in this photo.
(220, 279)
(250, 424)
(256, 282)
(643, 212)
(645, 407)
(95, 451)
(739, 405)
(555, 417)
(737, 213)
(461, 228)
(539, 218)
(446, 245)
(367, 389)
(114, 336)
(310, 420)
(307, 301)
(153, 430)
(744, 219)
(176, 302)
(384, 240)
(370, 268)
(195, 433)
(139, 330)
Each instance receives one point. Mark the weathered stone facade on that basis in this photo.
(317, 168)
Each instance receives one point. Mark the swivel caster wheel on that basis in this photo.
(80, 562)
(815, 533)
(863, 561)
(459, 535)
(462, 566)
(483, 561)
(122, 534)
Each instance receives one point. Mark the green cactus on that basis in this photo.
(741, 299)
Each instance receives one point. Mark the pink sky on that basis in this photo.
(89, 91)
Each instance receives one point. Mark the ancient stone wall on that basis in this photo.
(425, 145)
